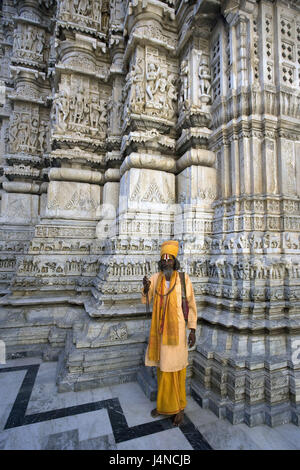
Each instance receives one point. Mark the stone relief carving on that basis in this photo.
(29, 43)
(82, 112)
(155, 33)
(118, 332)
(204, 81)
(28, 134)
(151, 87)
(90, 13)
(73, 267)
(184, 83)
(161, 91)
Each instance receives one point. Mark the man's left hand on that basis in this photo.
(192, 338)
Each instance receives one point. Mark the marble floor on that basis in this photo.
(34, 416)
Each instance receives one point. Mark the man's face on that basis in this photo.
(167, 262)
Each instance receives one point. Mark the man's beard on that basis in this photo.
(168, 271)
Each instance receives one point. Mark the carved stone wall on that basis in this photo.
(126, 123)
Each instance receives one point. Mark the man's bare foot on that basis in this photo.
(154, 413)
(178, 419)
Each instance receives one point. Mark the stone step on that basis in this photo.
(146, 378)
(84, 368)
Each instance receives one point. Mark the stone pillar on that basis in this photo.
(247, 350)
(26, 143)
(77, 157)
(145, 213)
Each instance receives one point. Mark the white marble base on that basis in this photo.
(171, 439)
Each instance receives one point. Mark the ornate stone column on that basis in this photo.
(60, 255)
(142, 169)
(195, 167)
(145, 209)
(27, 30)
(246, 366)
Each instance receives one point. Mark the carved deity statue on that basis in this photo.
(79, 107)
(96, 10)
(184, 78)
(13, 132)
(132, 93)
(103, 116)
(84, 7)
(23, 133)
(162, 92)
(95, 111)
(39, 42)
(152, 77)
(29, 38)
(105, 15)
(33, 134)
(137, 94)
(62, 105)
(17, 39)
(43, 133)
(171, 95)
(204, 79)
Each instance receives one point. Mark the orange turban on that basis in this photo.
(169, 247)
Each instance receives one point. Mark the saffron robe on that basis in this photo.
(175, 358)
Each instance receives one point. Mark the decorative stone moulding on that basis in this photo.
(112, 175)
(193, 136)
(73, 174)
(93, 21)
(196, 157)
(33, 160)
(153, 162)
(18, 70)
(73, 200)
(151, 34)
(20, 187)
(149, 8)
(152, 138)
(77, 155)
(21, 171)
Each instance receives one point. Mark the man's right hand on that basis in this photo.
(146, 283)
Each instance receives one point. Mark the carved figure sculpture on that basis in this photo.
(79, 106)
(62, 108)
(95, 110)
(13, 132)
(105, 15)
(17, 40)
(23, 134)
(43, 136)
(29, 39)
(33, 134)
(205, 78)
(152, 76)
(184, 77)
(137, 95)
(39, 42)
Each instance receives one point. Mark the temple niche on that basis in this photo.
(127, 123)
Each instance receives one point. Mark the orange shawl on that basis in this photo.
(164, 318)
